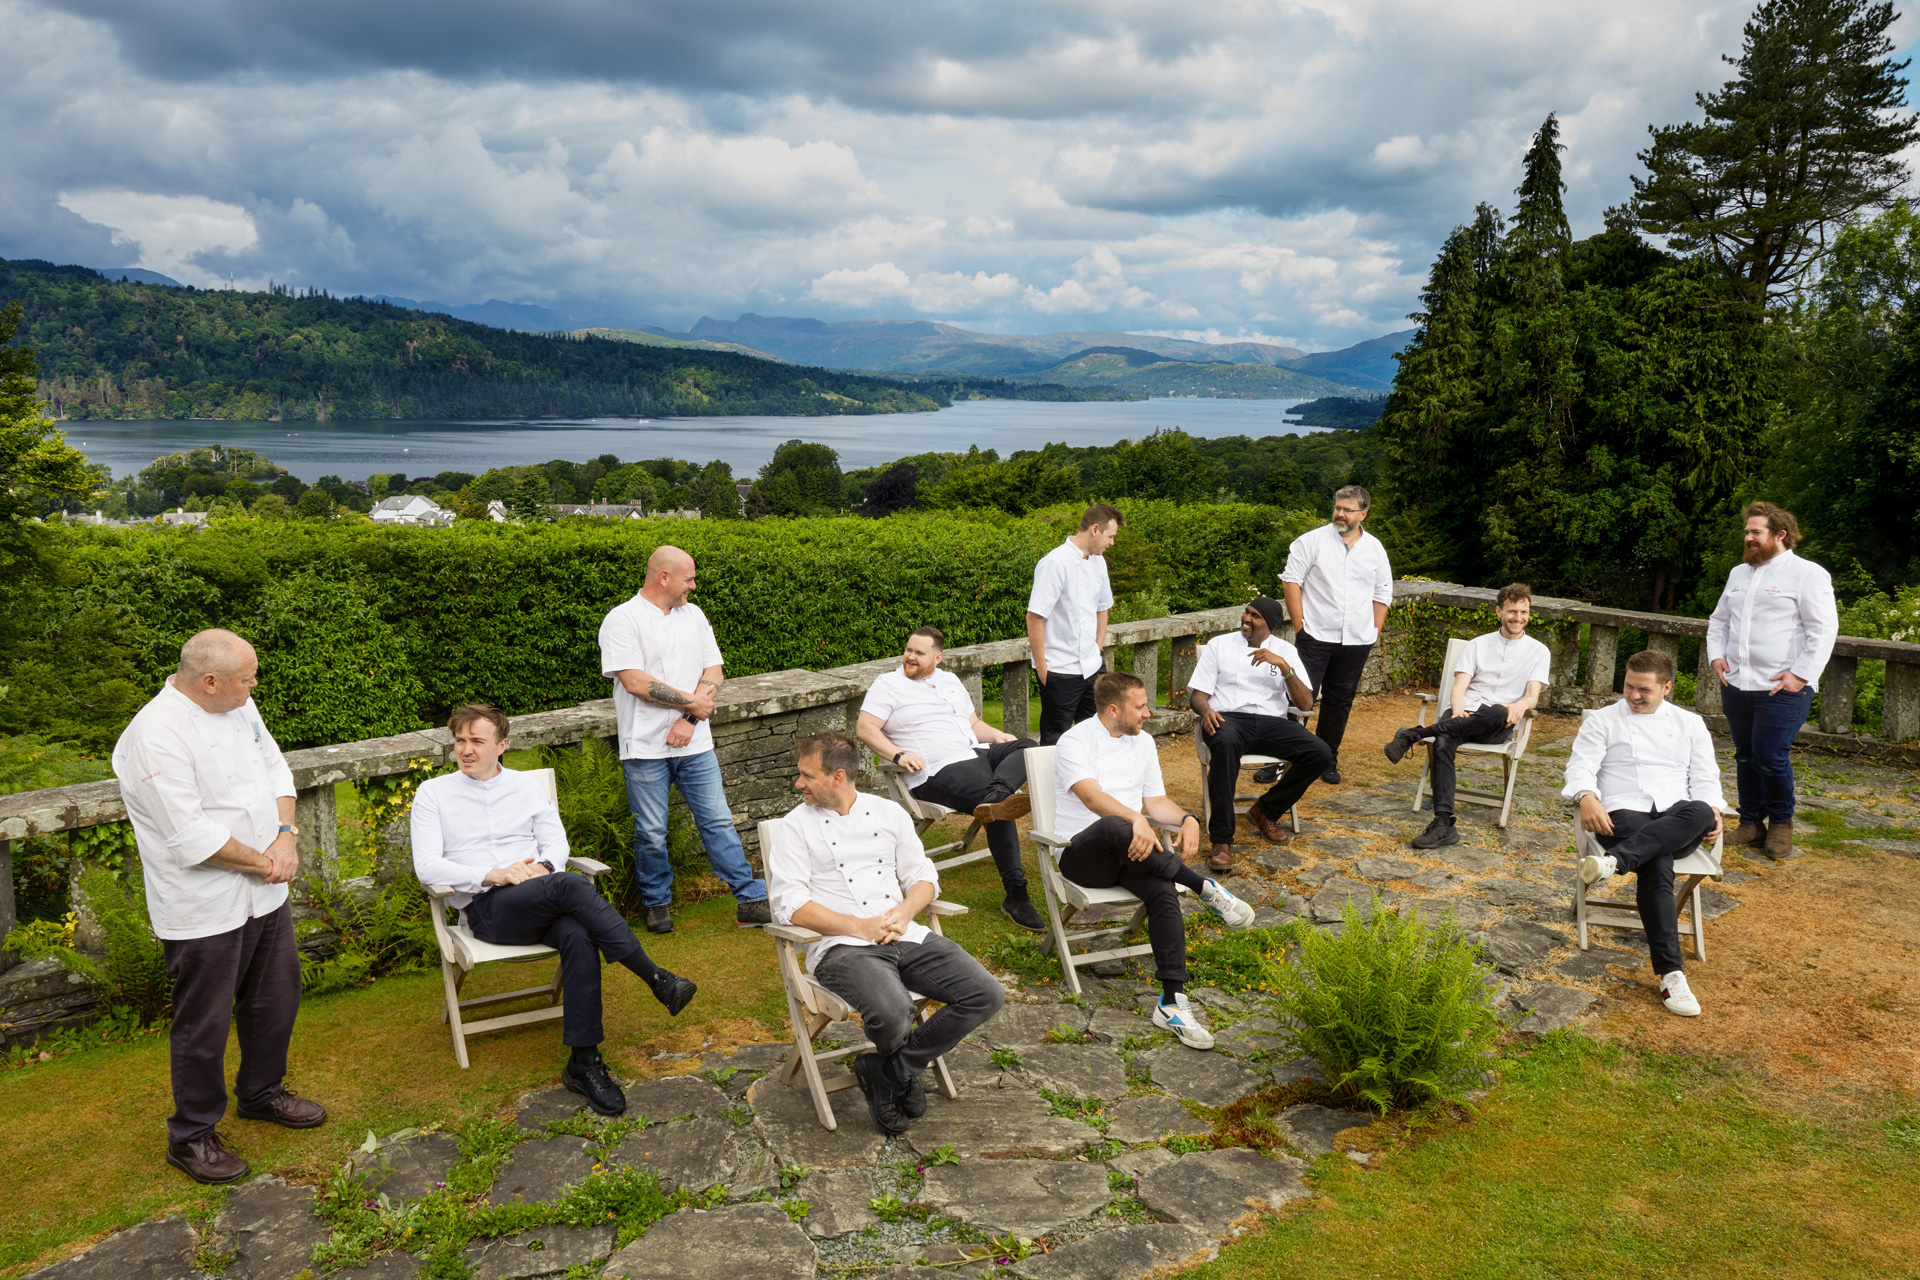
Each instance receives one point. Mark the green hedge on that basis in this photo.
(365, 630)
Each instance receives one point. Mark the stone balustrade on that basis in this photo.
(757, 718)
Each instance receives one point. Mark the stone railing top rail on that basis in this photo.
(772, 693)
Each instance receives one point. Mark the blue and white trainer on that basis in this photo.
(1178, 1018)
(1233, 912)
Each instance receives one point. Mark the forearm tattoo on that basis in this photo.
(666, 695)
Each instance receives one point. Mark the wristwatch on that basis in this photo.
(898, 754)
(287, 828)
(689, 717)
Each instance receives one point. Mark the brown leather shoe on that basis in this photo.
(1014, 806)
(1270, 831)
(1747, 833)
(1779, 838)
(207, 1160)
(1220, 858)
(284, 1107)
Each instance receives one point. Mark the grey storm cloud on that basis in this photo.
(1281, 169)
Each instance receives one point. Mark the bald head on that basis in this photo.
(670, 577)
(217, 670)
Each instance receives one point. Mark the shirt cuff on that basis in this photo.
(198, 841)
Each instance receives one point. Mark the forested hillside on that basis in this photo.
(111, 350)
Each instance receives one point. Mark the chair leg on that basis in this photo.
(1511, 768)
(1058, 929)
(1580, 910)
(452, 976)
(1420, 788)
(558, 993)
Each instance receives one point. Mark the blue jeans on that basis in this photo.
(698, 778)
(1763, 726)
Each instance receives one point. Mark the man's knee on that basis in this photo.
(889, 1021)
(1316, 754)
(1698, 812)
(1111, 828)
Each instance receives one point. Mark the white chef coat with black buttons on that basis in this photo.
(859, 864)
(1779, 616)
(1643, 761)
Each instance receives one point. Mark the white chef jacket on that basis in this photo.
(463, 828)
(860, 865)
(1642, 762)
(1499, 670)
(1070, 588)
(674, 646)
(1339, 585)
(192, 780)
(1232, 681)
(1778, 617)
(1126, 767)
(932, 718)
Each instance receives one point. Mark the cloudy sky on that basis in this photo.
(1273, 169)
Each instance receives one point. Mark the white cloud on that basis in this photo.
(170, 232)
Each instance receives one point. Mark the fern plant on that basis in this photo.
(132, 970)
(1395, 1009)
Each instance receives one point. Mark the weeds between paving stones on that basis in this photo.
(1088, 1111)
(1064, 1034)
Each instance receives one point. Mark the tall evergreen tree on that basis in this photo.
(1804, 138)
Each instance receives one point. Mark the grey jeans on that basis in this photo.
(876, 979)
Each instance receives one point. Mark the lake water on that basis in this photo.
(353, 449)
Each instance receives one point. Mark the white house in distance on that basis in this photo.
(410, 508)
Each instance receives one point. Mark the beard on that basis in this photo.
(1758, 554)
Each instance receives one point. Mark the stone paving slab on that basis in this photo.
(1152, 1119)
(409, 1169)
(1027, 1197)
(538, 1110)
(672, 1097)
(1438, 880)
(386, 1266)
(1211, 1079)
(1898, 848)
(1010, 1122)
(837, 1203)
(1211, 1190)
(1135, 1163)
(151, 1251)
(1468, 913)
(1295, 1070)
(695, 1154)
(1517, 946)
(1124, 1253)
(1278, 859)
(972, 1068)
(1116, 1025)
(541, 1170)
(1082, 1070)
(1312, 1129)
(755, 1170)
(1520, 893)
(271, 1229)
(1584, 966)
(741, 1240)
(1471, 858)
(1253, 1035)
(1550, 1007)
(1024, 1024)
(1330, 903)
(1382, 867)
(786, 1122)
(539, 1252)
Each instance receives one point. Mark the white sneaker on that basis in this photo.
(1178, 1018)
(1595, 869)
(1231, 910)
(1678, 996)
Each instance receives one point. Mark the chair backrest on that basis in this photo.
(1456, 659)
(1040, 787)
(548, 780)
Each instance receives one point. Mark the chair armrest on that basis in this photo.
(940, 908)
(1427, 697)
(437, 891)
(791, 933)
(1047, 838)
(589, 866)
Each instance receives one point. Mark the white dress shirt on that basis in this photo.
(1126, 767)
(1339, 585)
(463, 828)
(192, 780)
(1070, 588)
(672, 646)
(1642, 762)
(1778, 617)
(932, 718)
(859, 865)
(1499, 670)
(1232, 681)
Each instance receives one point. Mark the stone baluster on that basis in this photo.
(975, 681)
(8, 916)
(1900, 721)
(1706, 686)
(1602, 643)
(1108, 656)
(1186, 656)
(318, 843)
(1839, 685)
(1015, 710)
(1660, 642)
(1146, 665)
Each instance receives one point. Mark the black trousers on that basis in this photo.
(562, 911)
(1097, 859)
(246, 979)
(1646, 844)
(1243, 733)
(1334, 672)
(990, 777)
(1064, 702)
(875, 980)
(1486, 724)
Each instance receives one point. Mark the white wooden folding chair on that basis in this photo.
(461, 953)
(925, 813)
(811, 1008)
(1246, 762)
(1065, 899)
(1510, 752)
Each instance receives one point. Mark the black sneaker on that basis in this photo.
(1439, 832)
(883, 1096)
(660, 919)
(751, 915)
(588, 1077)
(1019, 909)
(1401, 744)
(1267, 774)
(673, 991)
(913, 1098)
(1332, 776)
